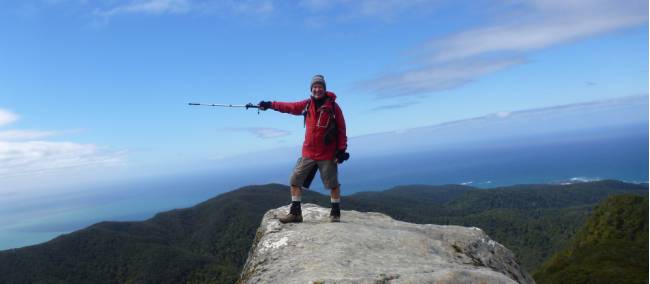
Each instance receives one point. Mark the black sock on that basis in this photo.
(336, 209)
(295, 208)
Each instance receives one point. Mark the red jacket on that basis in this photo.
(317, 123)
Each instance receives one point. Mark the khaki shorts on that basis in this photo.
(328, 170)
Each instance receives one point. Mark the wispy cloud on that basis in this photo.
(353, 9)
(435, 77)
(321, 9)
(7, 117)
(261, 8)
(102, 15)
(24, 154)
(13, 135)
(33, 158)
(261, 132)
(394, 106)
(625, 108)
(546, 23)
(536, 24)
(154, 7)
(266, 133)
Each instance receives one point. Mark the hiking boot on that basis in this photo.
(335, 213)
(295, 214)
(291, 218)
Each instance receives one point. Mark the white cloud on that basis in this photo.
(22, 156)
(153, 7)
(7, 117)
(261, 132)
(394, 106)
(253, 7)
(531, 25)
(339, 9)
(267, 133)
(546, 23)
(318, 5)
(353, 9)
(35, 158)
(167, 7)
(13, 135)
(435, 78)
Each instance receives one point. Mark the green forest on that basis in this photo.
(611, 247)
(209, 243)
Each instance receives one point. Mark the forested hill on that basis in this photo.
(205, 243)
(210, 241)
(612, 246)
(532, 220)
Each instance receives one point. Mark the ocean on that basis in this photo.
(604, 153)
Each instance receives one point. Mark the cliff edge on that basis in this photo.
(368, 247)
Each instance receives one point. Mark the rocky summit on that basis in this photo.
(368, 247)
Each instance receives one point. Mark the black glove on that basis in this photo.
(264, 105)
(342, 156)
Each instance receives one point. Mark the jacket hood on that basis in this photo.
(331, 95)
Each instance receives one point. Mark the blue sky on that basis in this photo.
(97, 91)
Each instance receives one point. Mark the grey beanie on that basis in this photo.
(318, 79)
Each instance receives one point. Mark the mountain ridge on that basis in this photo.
(612, 246)
(209, 241)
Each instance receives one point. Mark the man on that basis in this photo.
(324, 146)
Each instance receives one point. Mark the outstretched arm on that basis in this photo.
(294, 108)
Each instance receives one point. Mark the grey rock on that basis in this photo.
(368, 247)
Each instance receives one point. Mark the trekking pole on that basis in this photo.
(247, 106)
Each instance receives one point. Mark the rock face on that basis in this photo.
(374, 248)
